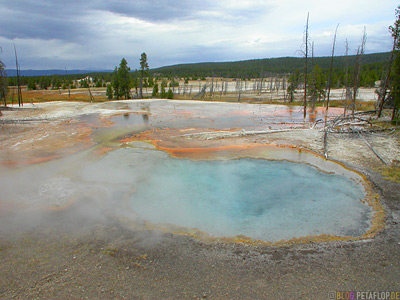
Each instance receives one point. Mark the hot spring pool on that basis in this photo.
(262, 199)
(266, 200)
(258, 198)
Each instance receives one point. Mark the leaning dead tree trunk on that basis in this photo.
(202, 93)
(384, 88)
(395, 34)
(372, 149)
(344, 124)
(90, 93)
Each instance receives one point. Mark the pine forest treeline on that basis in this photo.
(372, 68)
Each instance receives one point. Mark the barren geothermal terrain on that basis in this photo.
(181, 199)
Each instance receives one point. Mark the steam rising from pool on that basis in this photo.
(261, 199)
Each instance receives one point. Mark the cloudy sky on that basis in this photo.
(99, 33)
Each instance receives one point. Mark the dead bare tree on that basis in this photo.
(327, 101)
(357, 69)
(305, 53)
(277, 86)
(222, 88)
(239, 87)
(271, 87)
(313, 91)
(184, 89)
(212, 86)
(343, 120)
(260, 87)
(19, 92)
(330, 73)
(284, 86)
(346, 79)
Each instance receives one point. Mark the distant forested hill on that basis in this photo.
(253, 68)
(28, 73)
(246, 68)
(373, 66)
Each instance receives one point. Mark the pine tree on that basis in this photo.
(163, 93)
(31, 84)
(115, 83)
(124, 79)
(144, 67)
(316, 86)
(109, 91)
(155, 90)
(293, 82)
(170, 94)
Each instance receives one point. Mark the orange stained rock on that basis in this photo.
(35, 160)
(181, 152)
(103, 150)
(230, 151)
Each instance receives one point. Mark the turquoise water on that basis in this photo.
(262, 199)
(267, 200)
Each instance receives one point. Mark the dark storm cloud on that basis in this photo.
(97, 33)
(152, 10)
(71, 20)
(66, 19)
(40, 20)
(164, 10)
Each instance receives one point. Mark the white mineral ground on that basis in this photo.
(73, 254)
